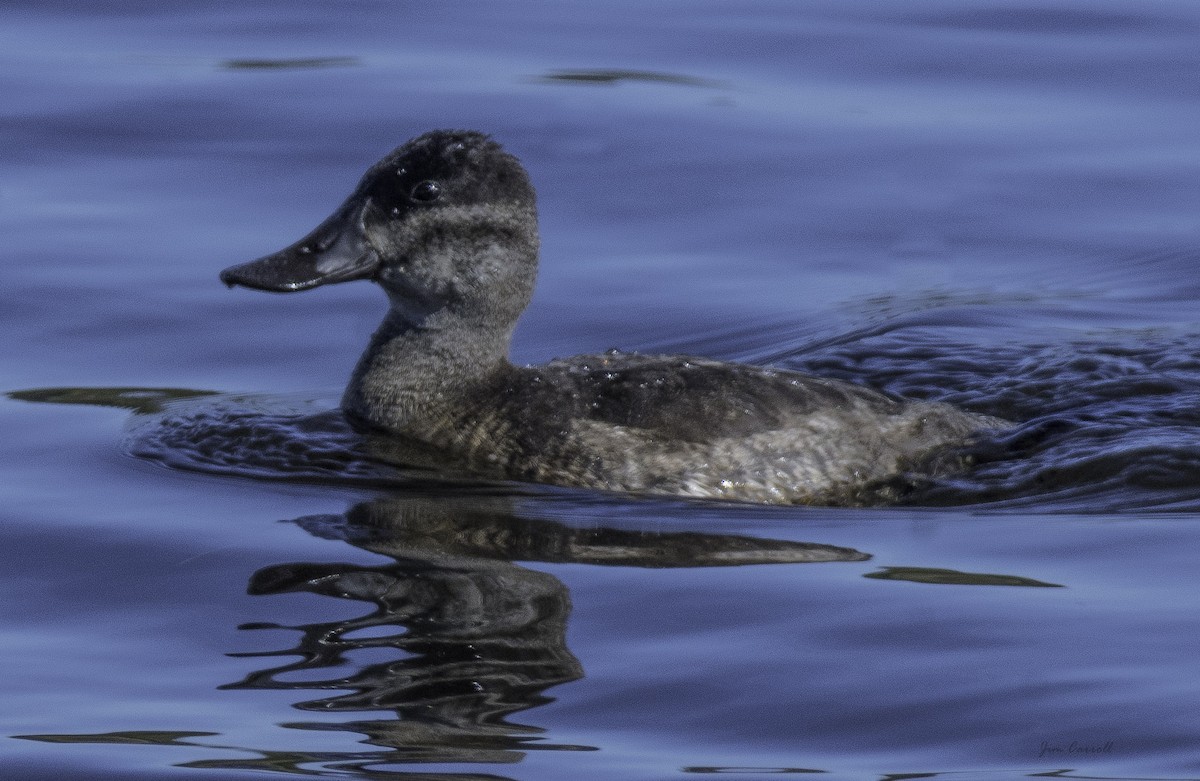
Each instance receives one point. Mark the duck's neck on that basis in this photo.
(412, 379)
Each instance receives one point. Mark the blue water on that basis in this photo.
(989, 203)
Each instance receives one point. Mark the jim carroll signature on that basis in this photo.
(1075, 748)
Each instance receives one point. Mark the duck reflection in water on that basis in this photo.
(476, 637)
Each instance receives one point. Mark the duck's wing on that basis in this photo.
(700, 400)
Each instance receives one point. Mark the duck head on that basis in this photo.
(446, 224)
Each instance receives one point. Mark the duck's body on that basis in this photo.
(447, 225)
(646, 424)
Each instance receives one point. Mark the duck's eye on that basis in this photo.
(427, 191)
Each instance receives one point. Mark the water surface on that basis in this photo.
(978, 202)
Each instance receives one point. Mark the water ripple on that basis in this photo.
(1101, 426)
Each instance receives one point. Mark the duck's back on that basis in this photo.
(703, 428)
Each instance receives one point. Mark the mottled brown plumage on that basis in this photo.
(447, 225)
